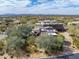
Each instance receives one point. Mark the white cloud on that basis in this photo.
(42, 7)
(15, 3)
(75, 1)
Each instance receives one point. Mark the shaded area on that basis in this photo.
(67, 43)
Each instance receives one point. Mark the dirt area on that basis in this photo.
(6, 56)
(37, 55)
(2, 36)
(68, 44)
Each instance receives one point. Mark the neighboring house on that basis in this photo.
(53, 23)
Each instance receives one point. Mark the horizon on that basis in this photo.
(5, 15)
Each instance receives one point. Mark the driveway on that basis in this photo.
(68, 46)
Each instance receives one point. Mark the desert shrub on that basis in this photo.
(2, 48)
(17, 37)
(50, 43)
(76, 42)
(30, 44)
(1, 45)
(22, 31)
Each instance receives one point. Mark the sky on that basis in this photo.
(50, 7)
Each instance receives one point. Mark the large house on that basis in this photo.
(49, 26)
(52, 23)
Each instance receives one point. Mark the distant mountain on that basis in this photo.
(36, 15)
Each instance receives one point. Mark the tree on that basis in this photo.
(17, 37)
(30, 44)
(1, 45)
(74, 32)
(22, 31)
(50, 43)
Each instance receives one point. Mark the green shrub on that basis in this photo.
(21, 31)
(50, 42)
(1, 45)
(18, 36)
(76, 42)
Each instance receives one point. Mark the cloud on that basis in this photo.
(39, 7)
(15, 3)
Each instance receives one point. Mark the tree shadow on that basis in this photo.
(66, 48)
(67, 43)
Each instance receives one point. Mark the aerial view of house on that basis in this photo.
(39, 29)
(35, 37)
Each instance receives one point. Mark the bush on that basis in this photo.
(1, 48)
(30, 44)
(1, 45)
(50, 43)
(17, 37)
(22, 31)
(76, 42)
